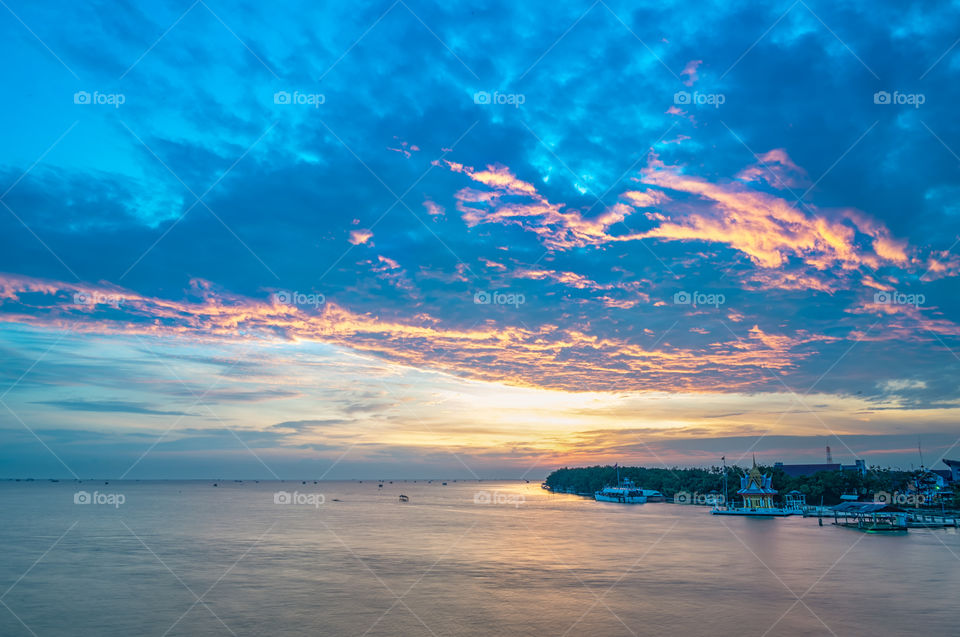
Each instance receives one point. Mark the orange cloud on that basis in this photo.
(793, 247)
(359, 236)
(549, 356)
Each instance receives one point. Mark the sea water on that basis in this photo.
(468, 558)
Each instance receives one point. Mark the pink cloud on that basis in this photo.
(547, 356)
(433, 209)
(690, 70)
(358, 237)
(777, 169)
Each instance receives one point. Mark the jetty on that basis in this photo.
(921, 520)
(870, 517)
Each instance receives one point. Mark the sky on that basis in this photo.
(415, 239)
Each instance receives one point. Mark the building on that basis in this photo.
(954, 469)
(945, 476)
(757, 490)
(795, 500)
(799, 470)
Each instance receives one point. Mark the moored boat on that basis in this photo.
(625, 493)
(653, 495)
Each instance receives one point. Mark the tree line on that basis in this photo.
(828, 485)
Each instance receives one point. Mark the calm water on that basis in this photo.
(444, 564)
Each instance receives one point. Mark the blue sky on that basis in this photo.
(425, 239)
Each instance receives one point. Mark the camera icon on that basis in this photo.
(282, 297)
(883, 497)
(681, 497)
(482, 298)
(482, 497)
(81, 97)
(282, 497)
(881, 97)
(481, 97)
(882, 297)
(82, 298)
(281, 97)
(81, 497)
(681, 97)
(682, 298)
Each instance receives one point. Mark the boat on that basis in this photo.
(404, 498)
(625, 492)
(653, 496)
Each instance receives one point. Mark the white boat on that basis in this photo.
(625, 493)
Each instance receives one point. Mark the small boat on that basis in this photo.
(404, 498)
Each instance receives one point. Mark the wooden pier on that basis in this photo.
(918, 520)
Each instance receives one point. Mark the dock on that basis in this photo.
(932, 521)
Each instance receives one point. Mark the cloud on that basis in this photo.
(549, 356)
(358, 237)
(771, 230)
(690, 70)
(110, 406)
(777, 170)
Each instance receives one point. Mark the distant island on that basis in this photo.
(828, 485)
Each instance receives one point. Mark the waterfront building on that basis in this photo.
(757, 490)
